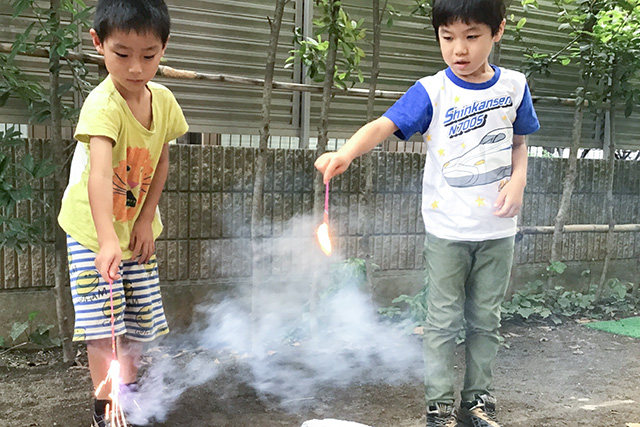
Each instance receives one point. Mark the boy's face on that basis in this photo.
(466, 48)
(132, 59)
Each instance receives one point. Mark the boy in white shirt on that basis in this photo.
(473, 117)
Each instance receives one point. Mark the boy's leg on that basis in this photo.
(100, 356)
(144, 313)
(129, 352)
(447, 265)
(145, 320)
(92, 305)
(485, 290)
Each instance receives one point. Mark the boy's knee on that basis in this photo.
(487, 325)
(129, 345)
(445, 322)
(99, 344)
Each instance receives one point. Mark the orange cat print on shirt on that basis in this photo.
(131, 181)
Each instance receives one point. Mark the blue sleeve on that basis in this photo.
(526, 117)
(412, 112)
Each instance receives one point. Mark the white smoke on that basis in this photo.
(289, 351)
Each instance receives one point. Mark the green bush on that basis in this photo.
(536, 301)
(34, 333)
(556, 304)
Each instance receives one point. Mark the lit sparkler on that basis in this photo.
(323, 229)
(114, 412)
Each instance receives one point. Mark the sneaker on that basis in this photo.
(441, 415)
(481, 412)
(100, 421)
(134, 414)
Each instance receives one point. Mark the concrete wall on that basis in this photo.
(206, 210)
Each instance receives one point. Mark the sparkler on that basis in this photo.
(114, 412)
(323, 229)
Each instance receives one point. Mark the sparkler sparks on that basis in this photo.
(114, 412)
(323, 229)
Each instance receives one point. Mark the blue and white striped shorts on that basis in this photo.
(137, 303)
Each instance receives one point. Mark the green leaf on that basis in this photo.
(42, 329)
(28, 163)
(45, 167)
(4, 164)
(23, 193)
(41, 339)
(19, 7)
(544, 313)
(18, 329)
(557, 267)
(628, 109)
(525, 312)
(4, 96)
(32, 315)
(521, 23)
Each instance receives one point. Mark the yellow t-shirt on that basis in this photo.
(135, 156)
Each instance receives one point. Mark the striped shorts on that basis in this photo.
(137, 303)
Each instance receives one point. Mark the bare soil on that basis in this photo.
(545, 376)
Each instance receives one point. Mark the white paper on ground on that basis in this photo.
(331, 423)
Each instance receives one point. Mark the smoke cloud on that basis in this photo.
(291, 349)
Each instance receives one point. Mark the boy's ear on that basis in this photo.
(164, 47)
(500, 33)
(96, 41)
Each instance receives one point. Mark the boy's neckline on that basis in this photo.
(473, 86)
(151, 128)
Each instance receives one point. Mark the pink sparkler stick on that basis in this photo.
(113, 321)
(326, 204)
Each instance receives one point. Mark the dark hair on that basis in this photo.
(140, 16)
(490, 12)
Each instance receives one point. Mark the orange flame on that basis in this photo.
(323, 238)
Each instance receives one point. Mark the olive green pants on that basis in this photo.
(467, 280)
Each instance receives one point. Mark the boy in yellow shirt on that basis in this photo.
(110, 208)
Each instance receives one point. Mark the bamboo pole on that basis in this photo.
(580, 228)
(175, 73)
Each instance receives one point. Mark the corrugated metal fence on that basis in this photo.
(206, 210)
(231, 36)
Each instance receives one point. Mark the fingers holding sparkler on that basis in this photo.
(331, 164)
(108, 260)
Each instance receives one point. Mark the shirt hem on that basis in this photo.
(472, 238)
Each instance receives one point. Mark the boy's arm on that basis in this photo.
(101, 201)
(363, 141)
(142, 244)
(509, 200)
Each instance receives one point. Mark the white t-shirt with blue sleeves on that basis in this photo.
(468, 129)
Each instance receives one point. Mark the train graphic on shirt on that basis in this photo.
(487, 162)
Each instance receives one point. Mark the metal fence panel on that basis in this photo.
(206, 211)
(231, 37)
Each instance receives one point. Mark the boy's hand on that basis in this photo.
(509, 200)
(142, 244)
(332, 164)
(108, 260)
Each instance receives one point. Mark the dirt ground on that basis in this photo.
(545, 376)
